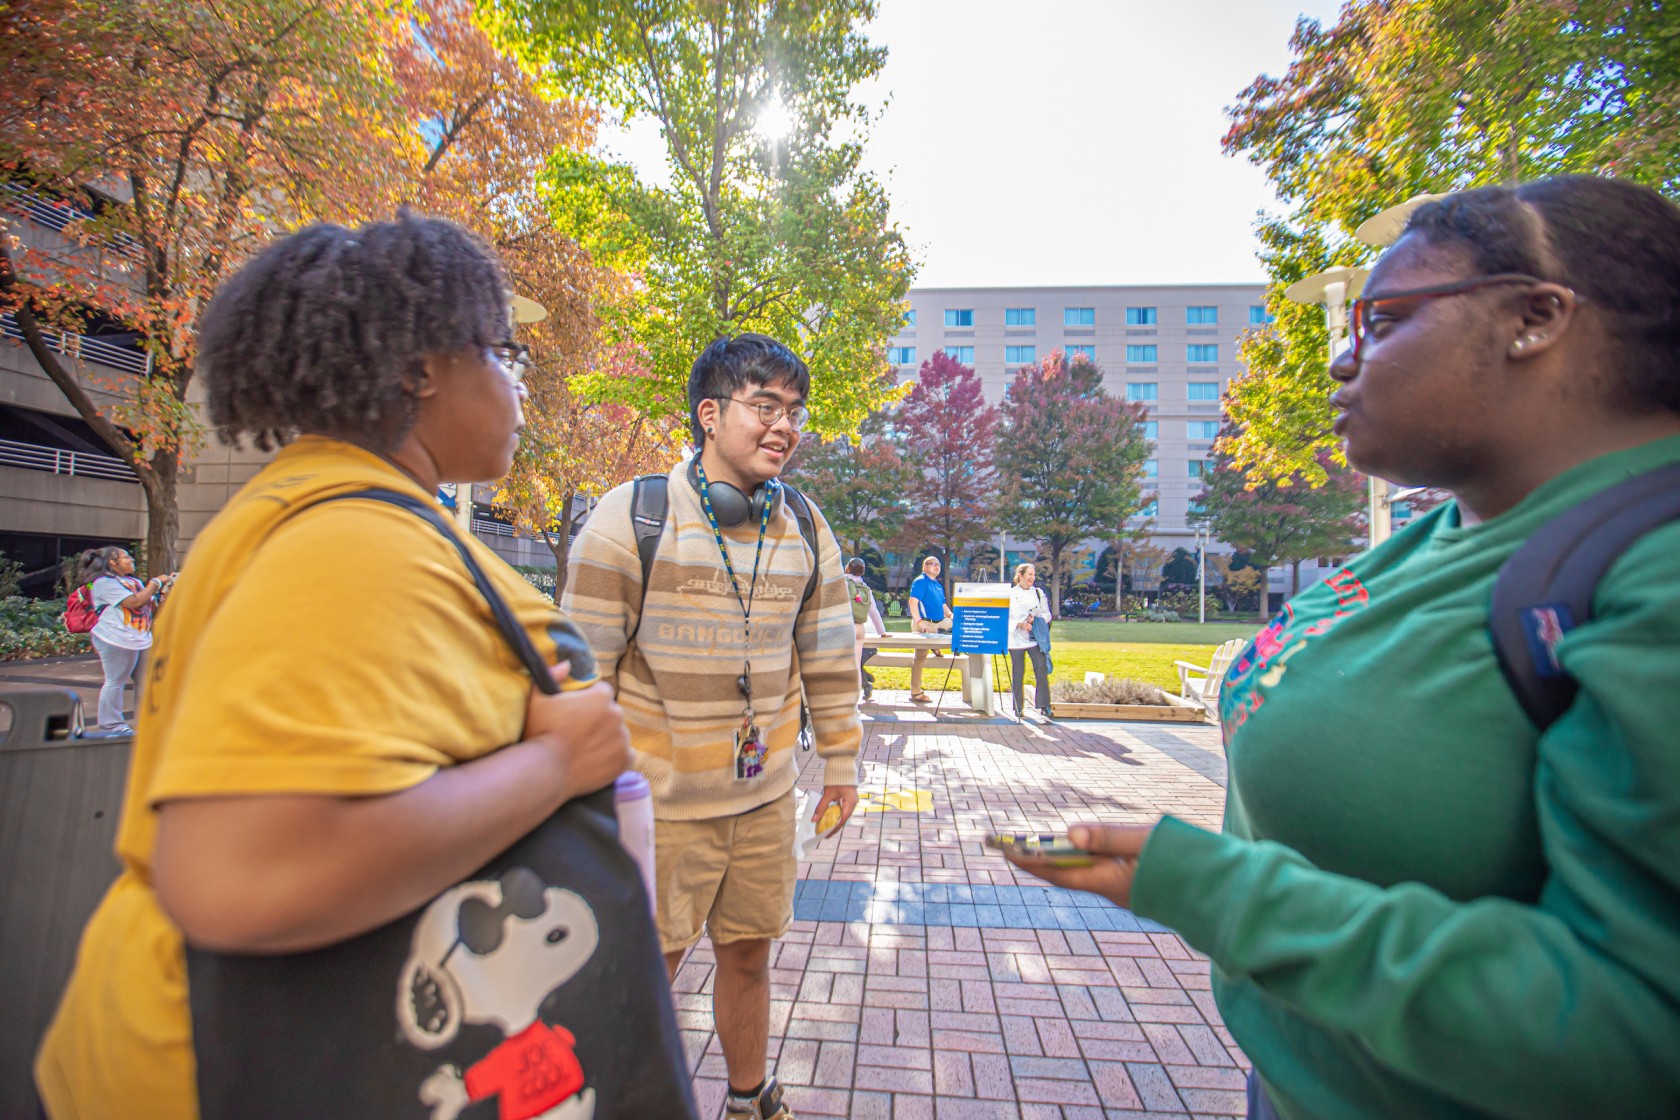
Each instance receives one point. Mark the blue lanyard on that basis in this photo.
(717, 534)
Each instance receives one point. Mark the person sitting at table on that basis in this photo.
(929, 614)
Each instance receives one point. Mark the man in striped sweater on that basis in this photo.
(710, 661)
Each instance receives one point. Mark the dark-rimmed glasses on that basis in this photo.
(771, 412)
(514, 358)
(1359, 316)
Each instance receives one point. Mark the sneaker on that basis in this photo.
(766, 1106)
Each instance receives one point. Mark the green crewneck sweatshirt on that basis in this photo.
(1419, 906)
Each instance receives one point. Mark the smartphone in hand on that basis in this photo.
(1053, 848)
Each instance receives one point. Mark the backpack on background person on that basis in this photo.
(80, 617)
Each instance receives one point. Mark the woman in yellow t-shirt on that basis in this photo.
(332, 733)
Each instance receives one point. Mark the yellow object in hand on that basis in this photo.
(830, 819)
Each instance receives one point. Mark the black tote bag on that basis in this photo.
(534, 988)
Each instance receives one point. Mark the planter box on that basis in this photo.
(1176, 710)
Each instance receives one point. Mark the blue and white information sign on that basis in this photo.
(980, 618)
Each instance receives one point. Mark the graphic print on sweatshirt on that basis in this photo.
(491, 951)
(1261, 666)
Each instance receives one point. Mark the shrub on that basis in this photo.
(35, 628)
(1184, 603)
(1111, 690)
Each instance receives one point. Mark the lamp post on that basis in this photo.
(1201, 573)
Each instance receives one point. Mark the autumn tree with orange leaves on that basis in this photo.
(174, 140)
(490, 132)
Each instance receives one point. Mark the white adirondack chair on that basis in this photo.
(1201, 682)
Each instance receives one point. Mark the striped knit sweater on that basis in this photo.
(676, 680)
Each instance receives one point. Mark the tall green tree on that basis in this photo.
(770, 223)
(1281, 520)
(1401, 97)
(859, 484)
(1070, 458)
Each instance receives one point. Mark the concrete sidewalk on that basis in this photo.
(924, 978)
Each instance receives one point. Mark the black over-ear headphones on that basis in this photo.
(729, 505)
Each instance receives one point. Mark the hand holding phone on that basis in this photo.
(1054, 848)
(1109, 853)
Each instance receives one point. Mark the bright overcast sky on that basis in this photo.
(1067, 141)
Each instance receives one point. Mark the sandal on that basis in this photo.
(920, 698)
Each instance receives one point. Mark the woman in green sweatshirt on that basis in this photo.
(1420, 905)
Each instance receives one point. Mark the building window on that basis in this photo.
(1089, 353)
(910, 320)
(901, 355)
(1020, 317)
(1151, 429)
(1140, 316)
(963, 354)
(1079, 316)
(1202, 429)
(1204, 390)
(1144, 354)
(1201, 316)
(1198, 468)
(1142, 391)
(1151, 508)
(960, 318)
(1258, 316)
(1400, 511)
(1202, 352)
(1195, 507)
(1020, 355)
(1151, 468)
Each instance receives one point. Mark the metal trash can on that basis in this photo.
(61, 795)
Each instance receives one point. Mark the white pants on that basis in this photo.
(121, 665)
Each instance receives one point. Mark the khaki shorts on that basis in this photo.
(734, 875)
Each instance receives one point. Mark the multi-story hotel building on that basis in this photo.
(1172, 349)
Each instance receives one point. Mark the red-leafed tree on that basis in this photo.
(1285, 520)
(859, 486)
(1070, 458)
(946, 431)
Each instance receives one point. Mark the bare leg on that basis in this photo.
(673, 961)
(741, 1008)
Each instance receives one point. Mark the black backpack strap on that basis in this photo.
(577, 651)
(650, 502)
(1546, 587)
(801, 508)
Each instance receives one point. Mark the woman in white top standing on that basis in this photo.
(123, 633)
(1026, 603)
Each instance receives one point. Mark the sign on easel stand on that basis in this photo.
(980, 618)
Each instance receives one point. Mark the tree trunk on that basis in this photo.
(1294, 578)
(163, 513)
(1265, 593)
(560, 544)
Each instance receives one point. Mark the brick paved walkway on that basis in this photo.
(924, 978)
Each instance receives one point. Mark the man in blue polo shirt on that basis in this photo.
(928, 614)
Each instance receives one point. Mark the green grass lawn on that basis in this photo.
(1144, 651)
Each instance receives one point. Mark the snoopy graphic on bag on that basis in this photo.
(491, 951)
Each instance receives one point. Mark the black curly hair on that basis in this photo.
(323, 331)
(1615, 243)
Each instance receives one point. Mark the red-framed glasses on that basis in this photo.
(1364, 307)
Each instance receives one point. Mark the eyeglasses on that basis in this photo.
(1366, 307)
(514, 358)
(770, 413)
